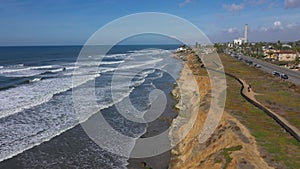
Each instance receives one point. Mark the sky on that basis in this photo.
(72, 22)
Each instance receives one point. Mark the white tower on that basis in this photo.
(246, 33)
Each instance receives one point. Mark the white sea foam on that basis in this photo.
(110, 63)
(26, 96)
(33, 71)
(116, 56)
(22, 68)
(40, 127)
(26, 129)
(35, 80)
(24, 73)
(8, 70)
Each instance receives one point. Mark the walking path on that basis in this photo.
(250, 96)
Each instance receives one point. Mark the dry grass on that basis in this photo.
(277, 145)
(280, 96)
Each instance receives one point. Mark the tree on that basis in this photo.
(279, 45)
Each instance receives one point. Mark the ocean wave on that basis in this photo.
(151, 51)
(30, 128)
(136, 64)
(110, 63)
(116, 56)
(25, 73)
(39, 113)
(35, 80)
(26, 96)
(10, 69)
(34, 71)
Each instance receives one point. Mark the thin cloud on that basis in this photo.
(272, 5)
(256, 2)
(266, 4)
(185, 2)
(285, 34)
(233, 7)
(291, 4)
(233, 30)
(278, 26)
(292, 25)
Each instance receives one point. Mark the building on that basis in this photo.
(244, 39)
(238, 41)
(181, 49)
(286, 55)
(246, 34)
(270, 53)
(230, 45)
(281, 55)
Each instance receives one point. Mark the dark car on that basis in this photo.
(257, 65)
(276, 73)
(284, 76)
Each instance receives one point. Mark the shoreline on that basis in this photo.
(156, 127)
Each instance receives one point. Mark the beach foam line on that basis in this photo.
(11, 153)
(35, 80)
(22, 68)
(23, 97)
(110, 63)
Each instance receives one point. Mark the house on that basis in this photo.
(230, 45)
(270, 54)
(286, 55)
(181, 49)
(238, 41)
(281, 55)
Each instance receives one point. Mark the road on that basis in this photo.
(294, 76)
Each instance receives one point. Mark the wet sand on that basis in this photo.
(154, 128)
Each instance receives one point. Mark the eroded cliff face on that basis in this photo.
(231, 144)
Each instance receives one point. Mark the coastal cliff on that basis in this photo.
(230, 146)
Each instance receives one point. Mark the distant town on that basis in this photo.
(281, 59)
(284, 54)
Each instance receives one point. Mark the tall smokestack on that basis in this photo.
(246, 33)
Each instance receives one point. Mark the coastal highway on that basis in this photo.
(294, 76)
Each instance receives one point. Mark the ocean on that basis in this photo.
(39, 127)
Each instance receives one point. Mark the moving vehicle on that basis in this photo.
(275, 73)
(257, 65)
(284, 76)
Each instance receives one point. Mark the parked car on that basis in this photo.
(284, 76)
(276, 73)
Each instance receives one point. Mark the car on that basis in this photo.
(257, 65)
(284, 76)
(275, 73)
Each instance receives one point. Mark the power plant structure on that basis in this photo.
(246, 33)
(244, 39)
